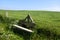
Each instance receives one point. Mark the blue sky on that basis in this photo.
(52, 5)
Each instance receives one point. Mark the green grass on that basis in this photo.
(46, 21)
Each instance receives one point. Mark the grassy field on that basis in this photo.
(47, 25)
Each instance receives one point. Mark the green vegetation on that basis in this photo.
(47, 25)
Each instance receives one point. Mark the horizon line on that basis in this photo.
(30, 10)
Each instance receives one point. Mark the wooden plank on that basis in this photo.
(22, 28)
(32, 19)
(29, 18)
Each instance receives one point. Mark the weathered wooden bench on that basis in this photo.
(26, 24)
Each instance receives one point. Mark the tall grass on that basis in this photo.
(47, 26)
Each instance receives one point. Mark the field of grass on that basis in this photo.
(47, 25)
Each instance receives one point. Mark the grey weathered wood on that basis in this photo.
(29, 18)
(22, 28)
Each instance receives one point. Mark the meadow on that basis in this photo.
(47, 25)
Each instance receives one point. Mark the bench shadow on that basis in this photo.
(49, 34)
(26, 35)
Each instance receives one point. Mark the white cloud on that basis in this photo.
(53, 8)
